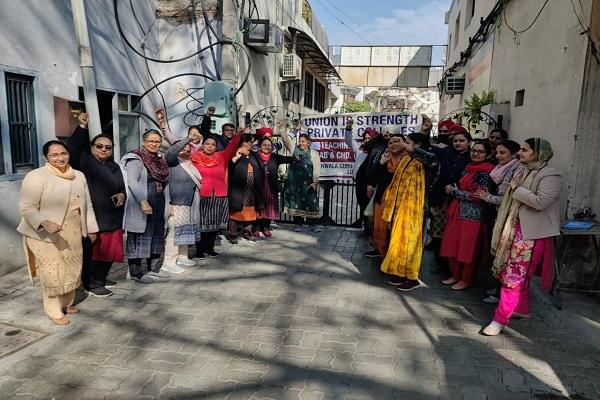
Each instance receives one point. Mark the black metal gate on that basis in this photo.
(337, 202)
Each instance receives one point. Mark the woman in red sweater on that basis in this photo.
(214, 207)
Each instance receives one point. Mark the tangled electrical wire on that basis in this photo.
(195, 104)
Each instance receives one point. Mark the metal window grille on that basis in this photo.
(319, 97)
(21, 121)
(308, 90)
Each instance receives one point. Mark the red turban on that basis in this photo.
(262, 132)
(446, 123)
(457, 129)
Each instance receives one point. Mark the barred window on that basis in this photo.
(308, 90)
(21, 123)
(319, 97)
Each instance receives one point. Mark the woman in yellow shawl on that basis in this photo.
(404, 212)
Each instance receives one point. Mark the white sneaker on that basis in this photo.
(158, 274)
(186, 262)
(174, 269)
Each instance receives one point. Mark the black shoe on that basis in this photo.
(213, 254)
(199, 255)
(372, 254)
(396, 280)
(232, 241)
(110, 284)
(100, 292)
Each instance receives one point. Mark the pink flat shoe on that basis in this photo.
(449, 281)
(460, 285)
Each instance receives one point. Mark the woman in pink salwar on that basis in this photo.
(522, 241)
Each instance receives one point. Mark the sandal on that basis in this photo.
(71, 310)
(60, 321)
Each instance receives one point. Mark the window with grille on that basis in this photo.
(21, 122)
(308, 90)
(319, 97)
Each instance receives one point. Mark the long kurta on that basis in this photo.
(403, 207)
(58, 263)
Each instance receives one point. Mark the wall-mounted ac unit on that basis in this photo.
(455, 84)
(264, 36)
(291, 67)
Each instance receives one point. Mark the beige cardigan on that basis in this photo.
(539, 214)
(45, 196)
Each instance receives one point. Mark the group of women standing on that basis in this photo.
(77, 209)
(479, 198)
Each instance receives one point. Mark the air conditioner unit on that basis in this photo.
(263, 36)
(455, 84)
(291, 67)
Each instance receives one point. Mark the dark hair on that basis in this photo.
(149, 132)
(227, 125)
(465, 134)
(211, 137)
(262, 139)
(46, 146)
(197, 127)
(501, 131)
(420, 138)
(102, 135)
(486, 145)
(531, 143)
(305, 136)
(511, 145)
(246, 138)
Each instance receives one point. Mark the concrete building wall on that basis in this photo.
(547, 62)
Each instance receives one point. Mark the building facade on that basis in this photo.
(156, 63)
(541, 60)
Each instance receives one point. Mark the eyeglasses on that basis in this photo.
(106, 147)
(57, 155)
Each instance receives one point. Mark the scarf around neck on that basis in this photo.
(205, 160)
(68, 174)
(500, 171)
(155, 164)
(265, 157)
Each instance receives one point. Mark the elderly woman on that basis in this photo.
(214, 205)
(268, 165)
(404, 211)
(300, 197)
(147, 176)
(527, 221)
(107, 190)
(183, 194)
(56, 212)
(244, 192)
(465, 238)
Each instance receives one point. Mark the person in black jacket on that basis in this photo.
(245, 192)
(268, 163)
(206, 123)
(107, 191)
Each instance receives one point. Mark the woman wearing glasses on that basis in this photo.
(465, 238)
(107, 190)
(147, 174)
(56, 212)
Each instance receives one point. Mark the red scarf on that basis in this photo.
(155, 164)
(205, 160)
(484, 166)
(264, 156)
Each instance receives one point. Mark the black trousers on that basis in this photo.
(93, 273)
(206, 243)
(436, 244)
(235, 228)
(137, 270)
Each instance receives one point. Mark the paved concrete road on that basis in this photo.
(299, 316)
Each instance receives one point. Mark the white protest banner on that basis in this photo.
(327, 132)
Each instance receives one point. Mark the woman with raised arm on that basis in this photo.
(57, 213)
(268, 163)
(183, 194)
(300, 197)
(528, 219)
(107, 190)
(214, 205)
